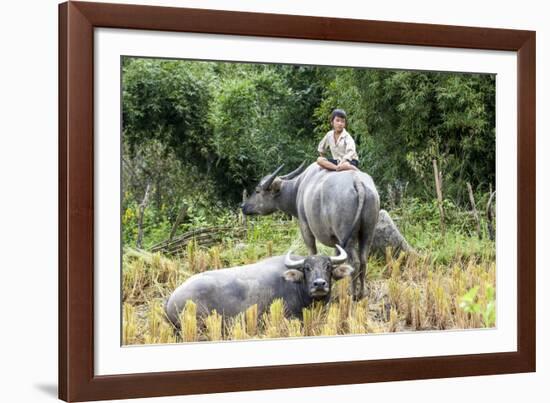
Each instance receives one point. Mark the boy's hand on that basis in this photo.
(345, 166)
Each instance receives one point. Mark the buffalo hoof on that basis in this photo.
(358, 295)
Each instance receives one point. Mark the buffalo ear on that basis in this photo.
(293, 275)
(276, 185)
(342, 271)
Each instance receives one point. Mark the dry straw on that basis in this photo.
(403, 293)
(188, 321)
(213, 325)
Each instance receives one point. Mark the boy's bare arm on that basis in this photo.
(350, 151)
(321, 148)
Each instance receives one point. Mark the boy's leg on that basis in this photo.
(325, 163)
(346, 166)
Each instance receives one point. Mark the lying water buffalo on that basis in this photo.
(387, 235)
(297, 280)
(333, 207)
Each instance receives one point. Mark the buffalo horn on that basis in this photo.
(294, 173)
(271, 178)
(293, 264)
(341, 258)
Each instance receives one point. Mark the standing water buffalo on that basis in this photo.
(297, 280)
(333, 207)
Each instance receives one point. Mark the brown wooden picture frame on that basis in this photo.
(77, 21)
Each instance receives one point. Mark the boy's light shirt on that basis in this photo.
(343, 150)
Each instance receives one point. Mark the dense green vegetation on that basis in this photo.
(197, 134)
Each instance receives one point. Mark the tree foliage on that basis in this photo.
(403, 120)
(201, 132)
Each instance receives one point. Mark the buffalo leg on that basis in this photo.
(366, 236)
(363, 263)
(308, 237)
(353, 260)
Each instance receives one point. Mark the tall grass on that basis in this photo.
(449, 284)
(188, 320)
(213, 326)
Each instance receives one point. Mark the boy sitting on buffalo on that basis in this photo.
(340, 143)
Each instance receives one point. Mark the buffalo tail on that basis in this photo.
(361, 194)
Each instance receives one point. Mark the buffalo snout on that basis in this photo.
(319, 288)
(247, 209)
(320, 283)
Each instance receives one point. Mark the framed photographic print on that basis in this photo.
(245, 198)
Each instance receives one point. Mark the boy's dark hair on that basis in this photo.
(338, 113)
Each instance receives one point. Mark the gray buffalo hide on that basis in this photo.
(386, 235)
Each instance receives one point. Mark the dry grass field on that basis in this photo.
(420, 292)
